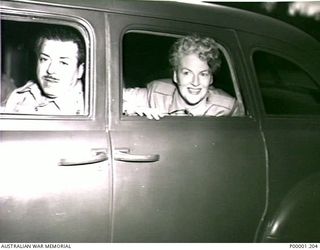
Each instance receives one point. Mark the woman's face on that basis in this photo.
(193, 78)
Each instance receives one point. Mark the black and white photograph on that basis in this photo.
(144, 121)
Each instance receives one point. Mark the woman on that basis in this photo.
(194, 61)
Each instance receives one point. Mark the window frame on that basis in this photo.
(291, 59)
(86, 121)
(223, 49)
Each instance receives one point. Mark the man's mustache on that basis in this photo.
(50, 78)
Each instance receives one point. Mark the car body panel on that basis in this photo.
(299, 207)
(186, 197)
(188, 12)
(42, 201)
(182, 197)
(180, 179)
(56, 174)
(292, 142)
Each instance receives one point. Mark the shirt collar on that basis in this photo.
(178, 103)
(70, 100)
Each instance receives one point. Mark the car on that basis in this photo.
(103, 176)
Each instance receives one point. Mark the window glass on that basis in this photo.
(151, 82)
(42, 69)
(285, 87)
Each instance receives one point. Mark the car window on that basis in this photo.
(285, 87)
(146, 59)
(27, 88)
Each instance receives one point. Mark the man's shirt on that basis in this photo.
(164, 96)
(28, 99)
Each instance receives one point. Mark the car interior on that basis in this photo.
(285, 87)
(146, 58)
(17, 54)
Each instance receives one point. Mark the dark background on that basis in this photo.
(280, 10)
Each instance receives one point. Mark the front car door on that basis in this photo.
(55, 176)
(181, 179)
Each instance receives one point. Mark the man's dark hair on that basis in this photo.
(64, 34)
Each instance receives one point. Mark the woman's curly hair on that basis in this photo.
(206, 48)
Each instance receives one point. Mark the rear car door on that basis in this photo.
(182, 179)
(288, 86)
(55, 177)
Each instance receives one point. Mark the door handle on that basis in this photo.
(93, 156)
(123, 154)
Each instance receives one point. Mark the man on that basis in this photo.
(60, 66)
(190, 92)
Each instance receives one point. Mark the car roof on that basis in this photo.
(202, 13)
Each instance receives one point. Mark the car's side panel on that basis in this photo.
(214, 177)
(55, 171)
(207, 186)
(43, 201)
(297, 219)
(293, 143)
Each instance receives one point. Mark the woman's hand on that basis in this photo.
(150, 113)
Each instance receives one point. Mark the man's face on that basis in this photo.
(57, 69)
(193, 78)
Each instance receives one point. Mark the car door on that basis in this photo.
(183, 179)
(55, 172)
(288, 85)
